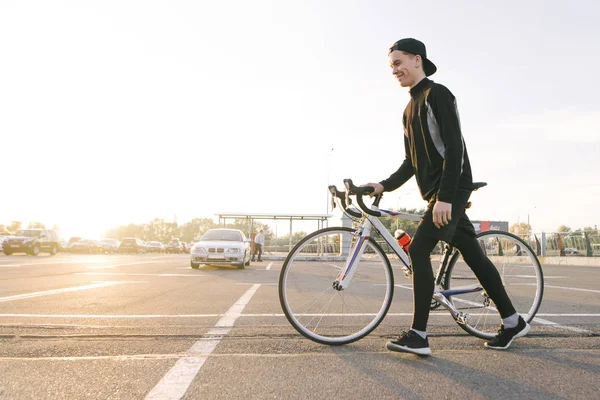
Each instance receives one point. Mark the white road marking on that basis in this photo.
(130, 274)
(264, 315)
(42, 263)
(177, 381)
(269, 266)
(264, 283)
(554, 324)
(563, 287)
(536, 319)
(119, 265)
(566, 315)
(97, 316)
(57, 291)
(409, 287)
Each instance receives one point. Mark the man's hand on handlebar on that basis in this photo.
(377, 186)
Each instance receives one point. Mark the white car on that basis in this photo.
(221, 246)
(571, 251)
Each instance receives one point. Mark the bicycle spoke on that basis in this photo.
(499, 246)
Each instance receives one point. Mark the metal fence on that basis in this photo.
(565, 244)
(555, 244)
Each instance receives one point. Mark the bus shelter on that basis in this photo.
(321, 219)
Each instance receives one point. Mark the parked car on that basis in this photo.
(3, 237)
(155, 247)
(174, 246)
(188, 247)
(32, 242)
(131, 245)
(571, 251)
(91, 246)
(62, 245)
(221, 246)
(110, 245)
(72, 241)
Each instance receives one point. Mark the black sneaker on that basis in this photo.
(410, 342)
(505, 336)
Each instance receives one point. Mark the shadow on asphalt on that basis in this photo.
(372, 366)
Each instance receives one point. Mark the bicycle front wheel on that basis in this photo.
(319, 311)
(521, 275)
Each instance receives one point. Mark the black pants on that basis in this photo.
(257, 249)
(461, 234)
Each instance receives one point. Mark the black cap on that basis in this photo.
(416, 47)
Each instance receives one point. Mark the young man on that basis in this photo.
(437, 156)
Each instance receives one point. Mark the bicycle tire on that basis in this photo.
(376, 264)
(485, 323)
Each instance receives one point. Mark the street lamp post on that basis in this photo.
(328, 168)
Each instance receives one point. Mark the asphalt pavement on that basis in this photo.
(149, 326)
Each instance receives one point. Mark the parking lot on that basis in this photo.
(149, 326)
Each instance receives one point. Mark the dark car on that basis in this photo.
(131, 245)
(72, 241)
(155, 247)
(174, 246)
(32, 242)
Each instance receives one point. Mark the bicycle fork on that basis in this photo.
(342, 281)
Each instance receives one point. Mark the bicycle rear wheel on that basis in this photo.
(320, 312)
(521, 275)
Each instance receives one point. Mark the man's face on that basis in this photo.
(405, 67)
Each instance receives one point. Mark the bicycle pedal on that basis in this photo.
(407, 272)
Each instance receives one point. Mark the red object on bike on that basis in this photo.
(403, 239)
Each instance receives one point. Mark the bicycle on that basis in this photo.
(337, 284)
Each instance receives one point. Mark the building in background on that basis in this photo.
(484, 226)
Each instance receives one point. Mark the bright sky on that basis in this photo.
(121, 111)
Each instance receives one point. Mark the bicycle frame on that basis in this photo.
(369, 223)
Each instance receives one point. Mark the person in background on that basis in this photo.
(259, 242)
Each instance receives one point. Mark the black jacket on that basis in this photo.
(435, 149)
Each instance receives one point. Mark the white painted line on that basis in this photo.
(96, 316)
(119, 265)
(408, 287)
(566, 315)
(568, 288)
(536, 319)
(264, 284)
(177, 381)
(269, 266)
(264, 315)
(91, 358)
(130, 274)
(57, 291)
(554, 324)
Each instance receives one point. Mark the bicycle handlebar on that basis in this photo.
(351, 189)
(341, 196)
